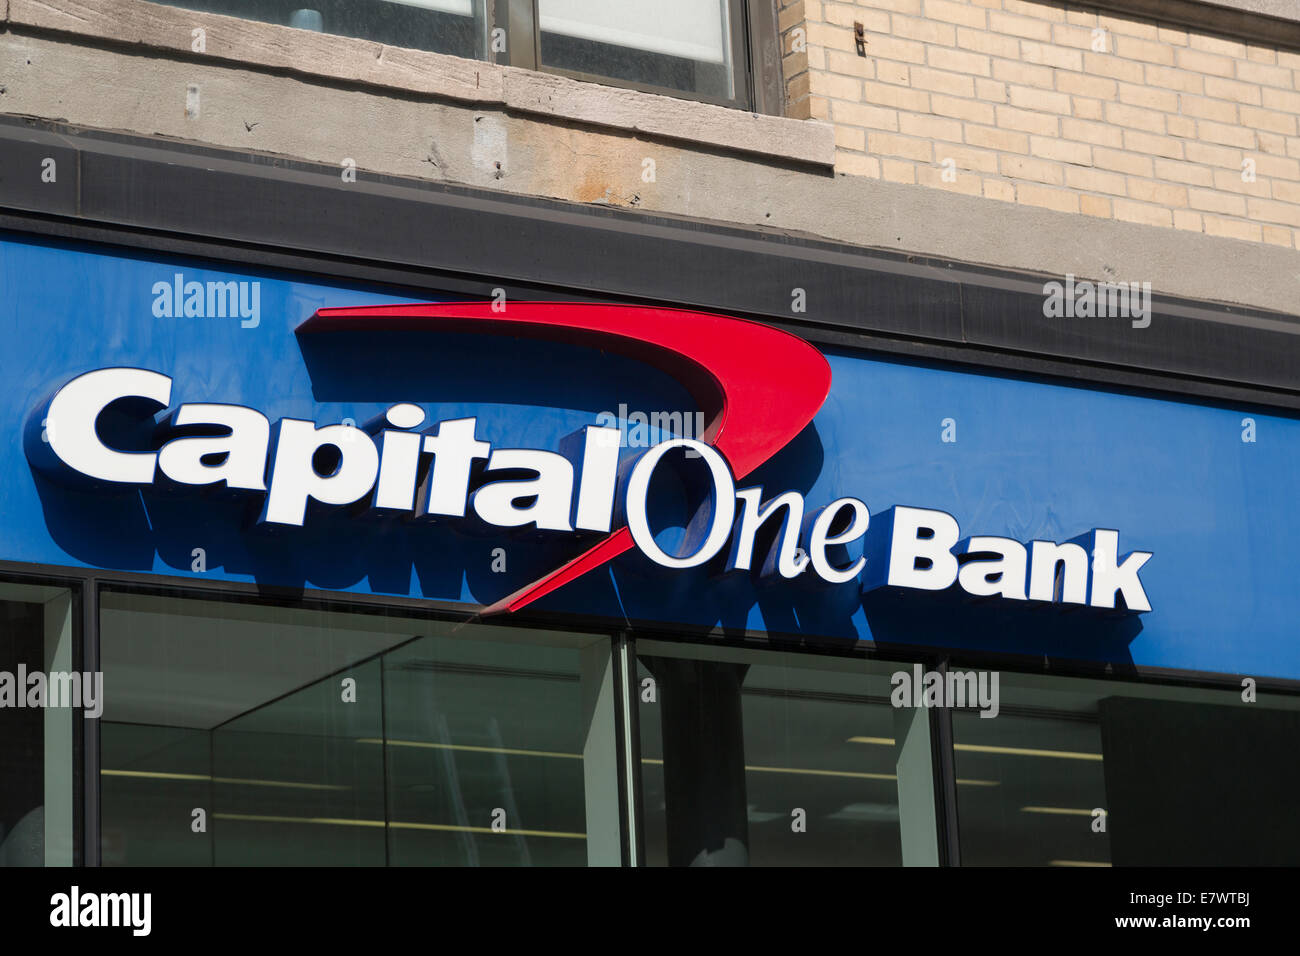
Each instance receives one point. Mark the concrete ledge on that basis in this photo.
(154, 26)
(1282, 9)
(1275, 22)
(665, 117)
(369, 64)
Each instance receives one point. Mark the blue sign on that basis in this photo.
(1012, 466)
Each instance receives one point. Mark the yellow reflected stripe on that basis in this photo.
(1074, 863)
(155, 775)
(990, 749)
(825, 773)
(513, 751)
(1026, 752)
(398, 825)
(1067, 811)
(158, 775)
(834, 773)
(395, 825)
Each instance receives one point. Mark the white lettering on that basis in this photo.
(244, 449)
(295, 480)
(721, 514)
(73, 417)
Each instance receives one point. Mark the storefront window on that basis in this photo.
(242, 734)
(756, 759)
(42, 700)
(1101, 773)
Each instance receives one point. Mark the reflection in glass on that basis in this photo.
(803, 793)
(508, 739)
(338, 738)
(1175, 770)
(1050, 779)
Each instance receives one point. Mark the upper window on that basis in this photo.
(458, 27)
(693, 48)
(680, 45)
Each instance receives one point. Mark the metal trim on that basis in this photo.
(766, 77)
(945, 781)
(92, 833)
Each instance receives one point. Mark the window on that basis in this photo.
(684, 46)
(240, 731)
(241, 734)
(1102, 773)
(701, 49)
(753, 758)
(456, 27)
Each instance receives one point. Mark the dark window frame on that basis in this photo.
(85, 657)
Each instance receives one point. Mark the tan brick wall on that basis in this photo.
(1057, 105)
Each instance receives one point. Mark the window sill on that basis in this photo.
(1281, 9)
(256, 45)
(1271, 22)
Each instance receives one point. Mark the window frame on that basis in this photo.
(87, 584)
(84, 657)
(755, 76)
(228, 594)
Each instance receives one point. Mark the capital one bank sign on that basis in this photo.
(759, 388)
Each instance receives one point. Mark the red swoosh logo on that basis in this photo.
(757, 386)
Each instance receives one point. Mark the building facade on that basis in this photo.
(726, 432)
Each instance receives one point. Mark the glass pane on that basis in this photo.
(292, 782)
(443, 26)
(509, 737)
(242, 734)
(40, 698)
(1100, 773)
(675, 44)
(762, 759)
(1049, 778)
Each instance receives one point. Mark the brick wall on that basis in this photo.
(1057, 105)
